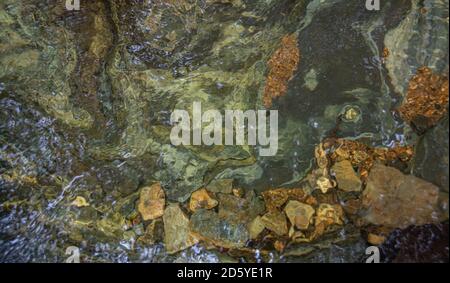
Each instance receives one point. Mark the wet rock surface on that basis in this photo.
(177, 235)
(299, 214)
(152, 202)
(85, 104)
(223, 232)
(346, 177)
(201, 199)
(389, 196)
(426, 101)
(406, 44)
(223, 186)
(275, 222)
(256, 227)
(243, 209)
(282, 66)
(153, 234)
(433, 148)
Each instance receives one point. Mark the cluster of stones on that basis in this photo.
(221, 215)
(227, 217)
(377, 197)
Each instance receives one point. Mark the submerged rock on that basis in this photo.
(276, 222)
(238, 192)
(328, 218)
(177, 235)
(243, 210)
(410, 47)
(426, 100)
(325, 184)
(375, 239)
(299, 214)
(363, 157)
(80, 202)
(395, 200)
(222, 232)
(224, 186)
(332, 247)
(351, 114)
(182, 171)
(433, 148)
(201, 199)
(346, 177)
(321, 156)
(111, 225)
(282, 66)
(142, 59)
(311, 81)
(256, 227)
(154, 233)
(151, 202)
(276, 198)
(329, 214)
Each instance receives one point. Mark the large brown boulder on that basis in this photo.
(395, 200)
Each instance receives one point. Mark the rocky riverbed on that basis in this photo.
(86, 160)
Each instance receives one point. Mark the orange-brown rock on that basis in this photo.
(394, 200)
(346, 177)
(330, 214)
(426, 100)
(363, 157)
(299, 214)
(282, 66)
(238, 192)
(386, 53)
(201, 199)
(276, 222)
(375, 239)
(279, 246)
(151, 202)
(276, 198)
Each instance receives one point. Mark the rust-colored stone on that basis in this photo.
(392, 199)
(279, 246)
(363, 157)
(276, 198)
(276, 222)
(330, 214)
(386, 52)
(201, 199)
(282, 66)
(426, 100)
(376, 240)
(152, 202)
